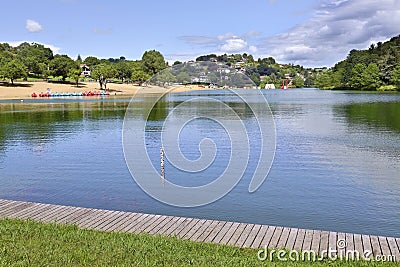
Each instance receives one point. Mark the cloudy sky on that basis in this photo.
(307, 32)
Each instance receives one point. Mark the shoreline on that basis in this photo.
(24, 90)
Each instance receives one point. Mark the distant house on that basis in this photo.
(270, 86)
(85, 70)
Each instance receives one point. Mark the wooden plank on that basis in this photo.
(122, 217)
(215, 231)
(9, 206)
(245, 234)
(94, 219)
(350, 243)
(23, 206)
(170, 230)
(358, 244)
(292, 238)
(367, 247)
(275, 237)
(169, 226)
(181, 227)
(301, 233)
(154, 224)
(72, 218)
(260, 236)
(24, 211)
(268, 236)
(83, 220)
(225, 239)
(166, 220)
(133, 219)
(135, 227)
(193, 229)
(207, 231)
(376, 249)
(384, 246)
(341, 245)
(189, 226)
(236, 235)
(201, 230)
(108, 220)
(307, 240)
(316, 240)
(49, 213)
(34, 210)
(324, 244)
(394, 249)
(284, 238)
(129, 217)
(222, 232)
(332, 243)
(252, 236)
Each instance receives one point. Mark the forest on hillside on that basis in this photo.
(376, 68)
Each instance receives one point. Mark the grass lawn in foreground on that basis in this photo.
(28, 243)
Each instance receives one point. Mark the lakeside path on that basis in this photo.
(202, 230)
(24, 90)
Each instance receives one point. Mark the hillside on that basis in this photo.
(376, 68)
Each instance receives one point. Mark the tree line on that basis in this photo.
(376, 68)
(36, 61)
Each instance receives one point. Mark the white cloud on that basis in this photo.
(224, 43)
(337, 27)
(234, 45)
(33, 26)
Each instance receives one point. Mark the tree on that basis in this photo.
(370, 77)
(75, 74)
(102, 73)
(139, 75)
(153, 62)
(13, 70)
(177, 63)
(183, 77)
(91, 61)
(60, 66)
(357, 76)
(396, 77)
(299, 82)
(123, 69)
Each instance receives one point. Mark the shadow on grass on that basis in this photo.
(7, 84)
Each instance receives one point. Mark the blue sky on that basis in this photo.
(307, 32)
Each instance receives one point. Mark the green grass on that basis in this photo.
(28, 243)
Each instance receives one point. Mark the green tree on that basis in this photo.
(91, 61)
(370, 77)
(139, 76)
(357, 76)
(124, 71)
(75, 74)
(33, 55)
(183, 77)
(13, 70)
(396, 77)
(60, 66)
(299, 82)
(102, 73)
(177, 63)
(153, 62)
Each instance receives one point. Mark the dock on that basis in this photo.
(203, 230)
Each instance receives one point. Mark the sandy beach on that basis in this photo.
(24, 90)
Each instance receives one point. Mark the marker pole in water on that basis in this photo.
(162, 165)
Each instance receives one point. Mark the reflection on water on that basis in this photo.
(337, 162)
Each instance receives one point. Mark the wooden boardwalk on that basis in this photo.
(202, 230)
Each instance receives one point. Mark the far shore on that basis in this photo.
(24, 90)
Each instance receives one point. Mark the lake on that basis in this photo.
(336, 166)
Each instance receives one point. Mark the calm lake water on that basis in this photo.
(337, 162)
